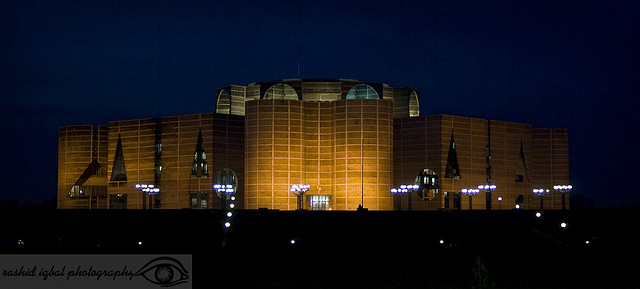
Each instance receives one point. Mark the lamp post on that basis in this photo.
(226, 186)
(405, 189)
(470, 193)
(147, 190)
(226, 192)
(541, 193)
(499, 202)
(563, 189)
(488, 188)
(299, 190)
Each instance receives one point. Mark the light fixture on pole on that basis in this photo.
(226, 186)
(227, 194)
(298, 190)
(405, 189)
(541, 193)
(563, 189)
(470, 193)
(147, 190)
(488, 188)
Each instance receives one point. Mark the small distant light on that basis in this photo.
(233, 198)
(232, 205)
(293, 241)
(563, 225)
(227, 224)
(229, 214)
(538, 214)
(499, 199)
(441, 241)
(517, 206)
(587, 242)
(20, 242)
(139, 243)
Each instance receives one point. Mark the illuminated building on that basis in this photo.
(350, 141)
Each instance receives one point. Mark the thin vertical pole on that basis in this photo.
(361, 157)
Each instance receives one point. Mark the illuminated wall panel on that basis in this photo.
(179, 139)
(342, 149)
(78, 146)
(274, 149)
(138, 148)
(423, 142)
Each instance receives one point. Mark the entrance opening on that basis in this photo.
(319, 202)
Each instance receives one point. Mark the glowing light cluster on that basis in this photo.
(404, 189)
(224, 188)
(487, 187)
(148, 189)
(540, 191)
(470, 192)
(299, 189)
(563, 187)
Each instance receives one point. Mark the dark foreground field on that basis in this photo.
(336, 249)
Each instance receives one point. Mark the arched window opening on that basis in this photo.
(223, 105)
(414, 104)
(362, 91)
(280, 91)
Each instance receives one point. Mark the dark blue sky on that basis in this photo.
(572, 64)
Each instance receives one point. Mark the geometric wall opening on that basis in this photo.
(414, 104)
(362, 91)
(223, 105)
(280, 91)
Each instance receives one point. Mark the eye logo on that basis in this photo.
(164, 271)
(164, 274)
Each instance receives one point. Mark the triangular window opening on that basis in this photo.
(452, 170)
(522, 173)
(118, 172)
(199, 169)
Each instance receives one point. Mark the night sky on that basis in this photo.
(571, 64)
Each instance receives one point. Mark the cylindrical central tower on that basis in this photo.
(342, 149)
(334, 135)
(274, 152)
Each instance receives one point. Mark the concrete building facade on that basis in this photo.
(350, 141)
(515, 157)
(342, 149)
